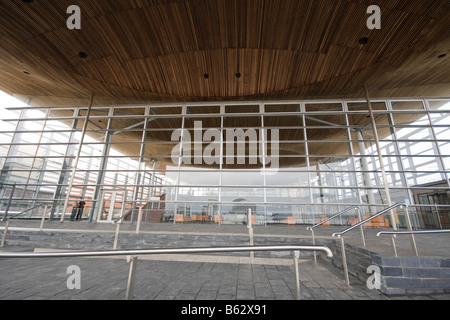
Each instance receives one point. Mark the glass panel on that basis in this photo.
(439, 104)
(324, 120)
(407, 105)
(242, 109)
(242, 178)
(281, 108)
(203, 110)
(165, 110)
(329, 107)
(362, 106)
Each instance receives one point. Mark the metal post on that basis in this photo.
(138, 224)
(132, 260)
(314, 243)
(380, 159)
(411, 236)
(250, 231)
(394, 246)
(116, 235)
(8, 205)
(344, 261)
(297, 274)
(4, 234)
(383, 171)
(43, 218)
(363, 239)
(77, 158)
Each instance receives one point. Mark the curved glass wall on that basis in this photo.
(289, 162)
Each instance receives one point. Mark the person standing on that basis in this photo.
(80, 209)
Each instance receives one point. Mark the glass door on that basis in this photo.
(112, 206)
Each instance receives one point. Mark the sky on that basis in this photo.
(7, 101)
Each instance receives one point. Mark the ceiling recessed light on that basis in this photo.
(238, 75)
(82, 55)
(442, 55)
(363, 40)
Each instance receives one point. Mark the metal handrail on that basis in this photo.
(311, 228)
(368, 219)
(413, 232)
(25, 211)
(7, 219)
(132, 256)
(332, 217)
(361, 224)
(162, 251)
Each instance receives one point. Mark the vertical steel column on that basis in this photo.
(65, 165)
(263, 152)
(250, 232)
(365, 167)
(180, 162)
(380, 158)
(139, 175)
(8, 205)
(102, 167)
(77, 159)
(219, 213)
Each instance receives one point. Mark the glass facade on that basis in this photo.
(289, 162)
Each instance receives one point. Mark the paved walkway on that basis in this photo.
(428, 245)
(195, 277)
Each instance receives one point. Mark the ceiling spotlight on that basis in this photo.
(83, 55)
(238, 75)
(363, 40)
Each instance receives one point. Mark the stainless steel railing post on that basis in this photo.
(41, 227)
(116, 235)
(138, 224)
(5, 231)
(311, 228)
(344, 261)
(132, 260)
(411, 236)
(314, 243)
(297, 273)
(363, 238)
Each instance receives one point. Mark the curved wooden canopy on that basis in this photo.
(141, 51)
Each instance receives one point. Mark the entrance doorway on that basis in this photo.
(112, 205)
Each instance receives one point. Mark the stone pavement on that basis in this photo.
(180, 277)
(194, 277)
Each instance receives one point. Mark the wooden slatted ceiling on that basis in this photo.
(146, 51)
